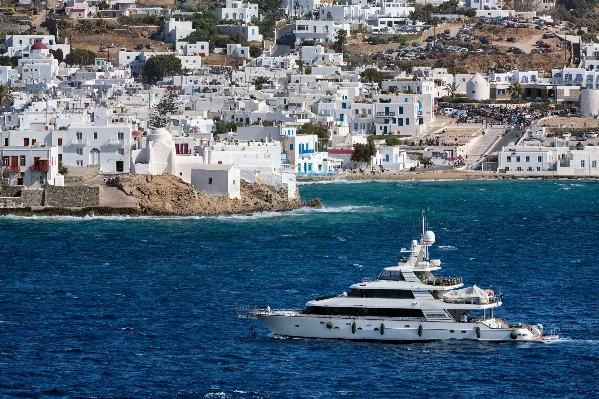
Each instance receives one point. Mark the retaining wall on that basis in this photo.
(73, 196)
(34, 197)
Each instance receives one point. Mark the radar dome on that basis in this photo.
(428, 237)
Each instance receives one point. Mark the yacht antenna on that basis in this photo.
(422, 235)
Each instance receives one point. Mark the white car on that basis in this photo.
(592, 135)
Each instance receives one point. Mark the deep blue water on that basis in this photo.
(109, 307)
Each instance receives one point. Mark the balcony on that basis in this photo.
(116, 142)
(385, 113)
(306, 152)
(13, 168)
(79, 142)
(40, 168)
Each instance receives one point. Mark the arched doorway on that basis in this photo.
(94, 157)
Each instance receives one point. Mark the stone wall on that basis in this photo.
(73, 196)
(34, 197)
(7, 190)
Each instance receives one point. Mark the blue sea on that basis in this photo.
(145, 307)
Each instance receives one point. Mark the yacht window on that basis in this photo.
(394, 275)
(397, 294)
(360, 311)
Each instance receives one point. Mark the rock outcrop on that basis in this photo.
(169, 195)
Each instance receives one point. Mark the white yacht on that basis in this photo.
(405, 303)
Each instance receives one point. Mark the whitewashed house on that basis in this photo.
(175, 30)
(238, 11)
(217, 180)
(32, 166)
(319, 31)
(250, 33)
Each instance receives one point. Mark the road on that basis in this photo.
(285, 40)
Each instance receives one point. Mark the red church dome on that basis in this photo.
(39, 46)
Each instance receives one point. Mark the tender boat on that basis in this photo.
(406, 303)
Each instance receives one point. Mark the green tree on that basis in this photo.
(392, 141)
(259, 81)
(6, 60)
(424, 160)
(317, 128)
(363, 153)
(103, 5)
(157, 67)
(470, 12)
(515, 90)
(57, 55)
(222, 127)
(372, 75)
(341, 39)
(255, 51)
(79, 56)
(165, 108)
(6, 95)
(62, 169)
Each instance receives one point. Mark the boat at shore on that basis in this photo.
(406, 303)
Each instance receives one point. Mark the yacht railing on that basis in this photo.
(442, 280)
(471, 301)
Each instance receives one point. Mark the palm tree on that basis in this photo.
(259, 81)
(452, 88)
(5, 95)
(515, 90)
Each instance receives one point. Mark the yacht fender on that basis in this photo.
(420, 330)
(513, 334)
(353, 327)
(330, 325)
(382, 328)
(478, 332)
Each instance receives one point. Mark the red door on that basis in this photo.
(14, 161)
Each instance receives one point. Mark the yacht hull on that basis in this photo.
(377, 329)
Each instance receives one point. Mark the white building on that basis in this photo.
(250, 33)
(478, 88)
(5, 75)
(38, 69)
(175, 30)
(319, 31)
(30, 166)
(317, 55)
(484, 4)
(200, 48)
(217, 180)
(238, 11)
(530, 157)
(237, 50)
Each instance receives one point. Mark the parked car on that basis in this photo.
(581, 137)
(548, 50)
(592, 135)
(535, 51)
(112, 45)
(511, 39)
(140, 46)
(416, 44)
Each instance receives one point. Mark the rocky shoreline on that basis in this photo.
(167, 195)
